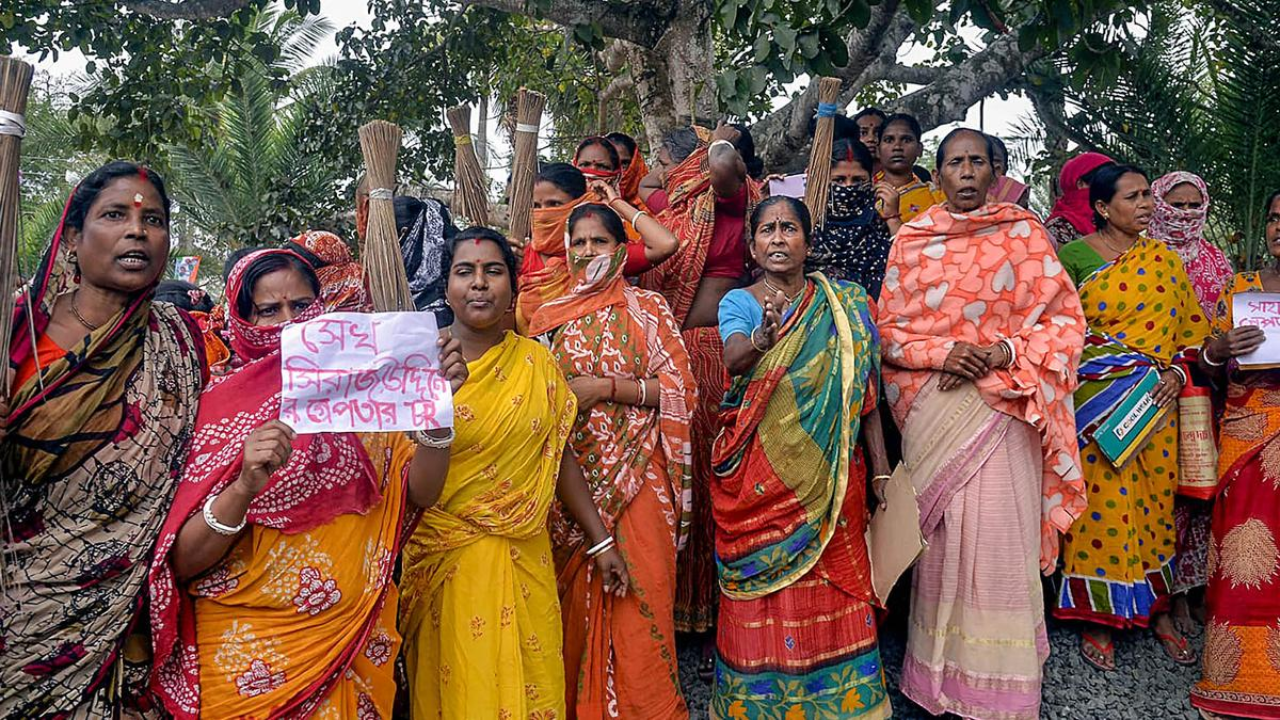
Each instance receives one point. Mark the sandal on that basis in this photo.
(1177, 648)
(1105, 658)
(707, 668)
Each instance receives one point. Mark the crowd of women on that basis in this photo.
(677, 404)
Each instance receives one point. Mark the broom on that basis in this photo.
(472, 194)
(383, 264)
(819, 175)
(524, 163)
(15, 82)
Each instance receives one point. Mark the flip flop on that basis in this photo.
(707, 668)
(1107, 663)
(1171, 643)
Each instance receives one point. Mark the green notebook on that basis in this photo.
(1126, 430)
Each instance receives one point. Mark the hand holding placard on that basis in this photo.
(1260, 310)
(356, 372)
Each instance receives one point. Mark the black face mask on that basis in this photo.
(849, 202)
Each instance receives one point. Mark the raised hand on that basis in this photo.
(452, 365)
(266, 450)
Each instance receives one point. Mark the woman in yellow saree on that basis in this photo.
(271, 594)
(1119, 556)
(480, 617)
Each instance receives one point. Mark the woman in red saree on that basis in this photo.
(704, 199)
(1241, 676)
(622, 353)
(272, 594)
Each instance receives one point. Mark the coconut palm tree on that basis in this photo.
(249, 183)
(1198, 93)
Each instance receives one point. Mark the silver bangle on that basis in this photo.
(422, 438)
(601, 547)
(644, 393)
(1209, 361)
(1182, 374)
(216, 526)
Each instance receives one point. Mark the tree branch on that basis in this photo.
(615, 87)
(185, 9)
(783, 133)
(642, 23)
(949, 97)
(911, 74)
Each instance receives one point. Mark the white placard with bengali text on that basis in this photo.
(1261, 310)
(357, 372)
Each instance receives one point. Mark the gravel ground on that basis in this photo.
(1146, 684)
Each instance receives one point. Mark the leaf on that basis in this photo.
(762, 48)
(785, 37)
(809, 44)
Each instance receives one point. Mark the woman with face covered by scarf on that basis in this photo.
(621, 350)
(1178, 218)
(342, 286)
(425, 226)
(634, 168)
(853, 243)
(1181, 207)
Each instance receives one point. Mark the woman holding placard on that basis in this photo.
(1242, 646)
(481, 618)
(276, 539)
(1144, 323)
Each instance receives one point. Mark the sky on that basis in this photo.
(1000, 116)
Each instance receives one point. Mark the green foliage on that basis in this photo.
(1198, 93)
(248, 180)
(152, 77)
(50, 165)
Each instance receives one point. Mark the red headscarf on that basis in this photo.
(592, 172)
(1074, 203)
(328, 475)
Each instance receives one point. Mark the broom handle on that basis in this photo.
(15, 84)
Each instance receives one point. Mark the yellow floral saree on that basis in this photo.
(481, 616)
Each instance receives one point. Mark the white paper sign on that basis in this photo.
(791, 186)
(1260, 310)
(357, 372)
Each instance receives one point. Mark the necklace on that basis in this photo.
(76, 311)
(1103, 235)
(777, 290)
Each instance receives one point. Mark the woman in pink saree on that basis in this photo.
(982, 332)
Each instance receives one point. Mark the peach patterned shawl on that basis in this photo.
(982, 277)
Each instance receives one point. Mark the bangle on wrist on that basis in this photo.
(426, 440)
(636, 217)
(1209, 361)
(1182, 374)
(601, 547)
(644, 393)
(215, 525)
(756, 345)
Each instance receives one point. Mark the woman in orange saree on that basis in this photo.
(705, 200)
(544, 273)
(277, 539)
(624, 358)
(1241, 675)
(634, 168)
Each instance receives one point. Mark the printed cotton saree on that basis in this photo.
(96, 440)
(1118, 558)
(1241, 675)
(620, 653)
(691, 216)
(994, 462)
(315, 560)
(796, 634)
(480, 616)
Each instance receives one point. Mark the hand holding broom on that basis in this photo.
(15, 82)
